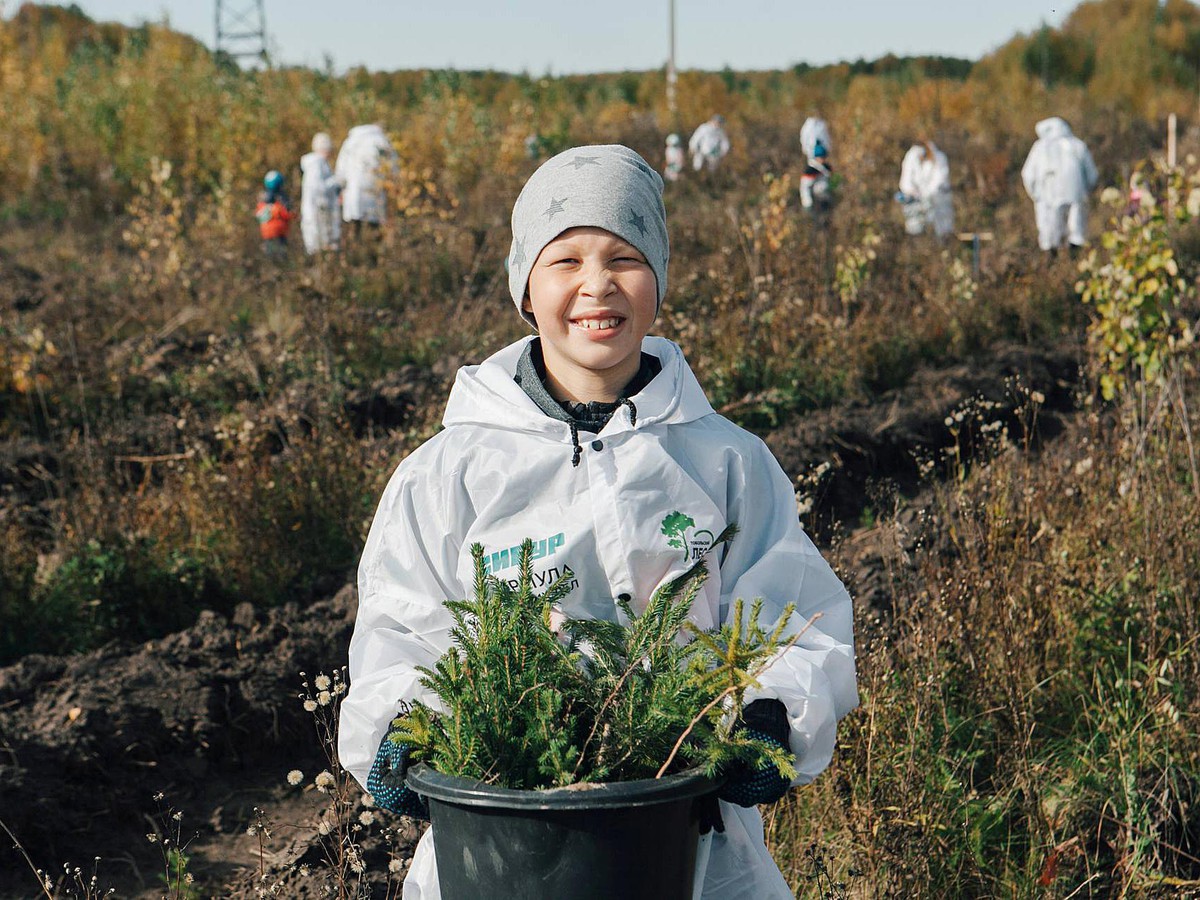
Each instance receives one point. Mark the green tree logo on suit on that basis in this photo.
(675, 527)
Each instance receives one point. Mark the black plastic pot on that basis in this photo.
(633, 840)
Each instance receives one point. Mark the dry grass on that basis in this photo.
(1029, 726)
(182, 421)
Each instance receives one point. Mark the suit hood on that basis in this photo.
(1053, 127)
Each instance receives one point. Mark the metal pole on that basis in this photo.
(1172, 123)
(671, 108)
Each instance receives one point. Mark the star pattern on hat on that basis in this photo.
(638, 222)
(641, 165)
(518, 255)
(555, 207)
(580, 161)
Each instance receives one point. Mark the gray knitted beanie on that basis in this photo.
(606, 186)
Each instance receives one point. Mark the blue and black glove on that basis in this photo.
(764, 720)
(385, 781)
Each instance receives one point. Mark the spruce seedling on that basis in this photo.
(528, 706)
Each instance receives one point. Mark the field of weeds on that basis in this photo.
(192, 441)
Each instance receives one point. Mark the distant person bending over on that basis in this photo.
(365, 162)
(320, 224)
(709, 144)
(274, 215)
(925, 190)
(1058, 174)
(594, 433)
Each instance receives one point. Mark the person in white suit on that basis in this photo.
(1058, 175)
(925, 190)
(364, 163)
(320, 224)
(596, 441)
(673, 158)
(709, 144)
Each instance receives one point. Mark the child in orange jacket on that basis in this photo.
(274, 215)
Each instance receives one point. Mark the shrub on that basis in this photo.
(1137, 289)
(114, 588)
(1027, 721)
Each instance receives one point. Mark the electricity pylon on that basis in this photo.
(242, 29)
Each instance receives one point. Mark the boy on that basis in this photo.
(597, 442)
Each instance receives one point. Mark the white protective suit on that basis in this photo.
(366, 159)
(501, 472)
(811, 131)
(320, 224)
(708, 145)
(926, 182)
(675, 159)
(1058, 174)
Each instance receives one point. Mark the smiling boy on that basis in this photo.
(596, 442)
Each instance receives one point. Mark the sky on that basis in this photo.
(542, 36)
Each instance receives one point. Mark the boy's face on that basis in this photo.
(594, 298)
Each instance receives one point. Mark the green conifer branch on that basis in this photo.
(528, 706)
